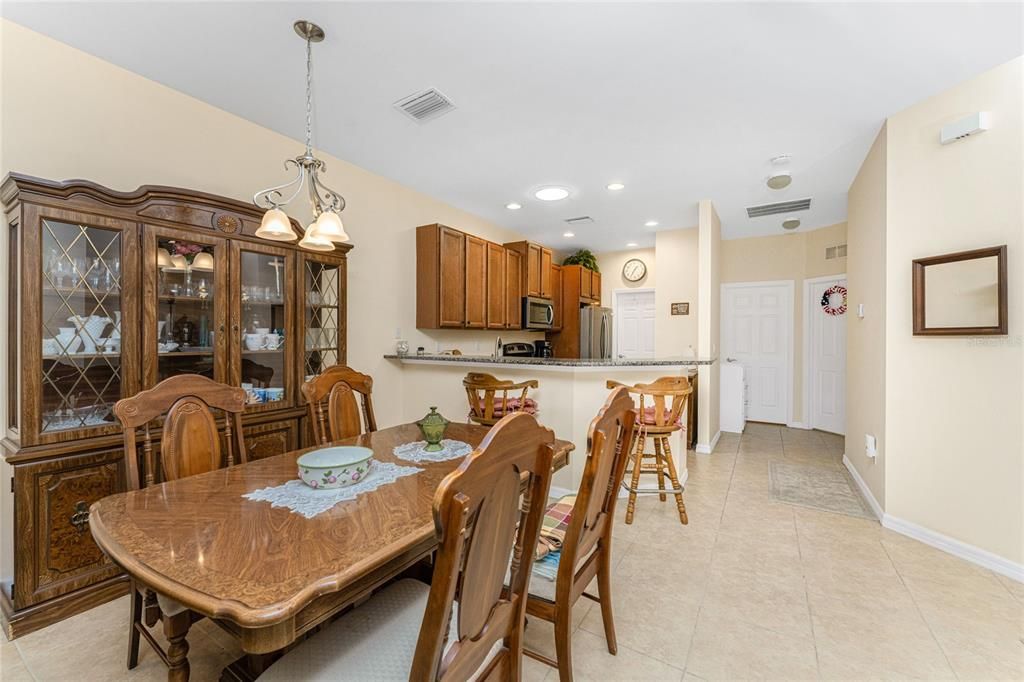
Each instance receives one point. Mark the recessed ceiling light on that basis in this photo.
(651, 223)
(551, 193)
(790, 224)
(513, 206)
(568, 234)
(631, 244)
(779, 180)
(616, 186)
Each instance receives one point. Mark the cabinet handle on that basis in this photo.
(80, 519)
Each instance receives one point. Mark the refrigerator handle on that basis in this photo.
(604, 324)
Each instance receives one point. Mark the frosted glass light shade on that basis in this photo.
(329, 226)
(276, 227)
(314, 242)
(163, 258)
(203, 261)
(178, 264)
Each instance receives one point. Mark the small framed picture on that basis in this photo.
(680, 308)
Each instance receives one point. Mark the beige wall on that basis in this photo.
(955, 454)
(788, 256)
(66, 114)
(865, 338)
(709, 322)
(676, 258)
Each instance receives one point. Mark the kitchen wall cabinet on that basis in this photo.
(537, 262)
(513, 290)
(440, 277)
(577, 286)
(156, 282)
(497, 287)
(556, 297)
(476, 282)
(595, 287)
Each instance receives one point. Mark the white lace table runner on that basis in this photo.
(301, 499)
(450, 449)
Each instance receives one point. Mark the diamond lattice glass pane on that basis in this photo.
(185, 314)
(321, 316)
(81, 325)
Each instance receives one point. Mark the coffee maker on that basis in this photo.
(541, 349)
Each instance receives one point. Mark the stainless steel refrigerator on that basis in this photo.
(595, 332)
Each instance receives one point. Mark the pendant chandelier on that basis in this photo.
(326, 204)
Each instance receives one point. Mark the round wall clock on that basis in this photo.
(634, 270)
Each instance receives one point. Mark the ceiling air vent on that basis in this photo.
(582, 220)
(424, 106)
(781, 207)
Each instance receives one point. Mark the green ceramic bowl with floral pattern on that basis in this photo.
(335, 467)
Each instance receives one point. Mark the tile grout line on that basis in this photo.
(920, 613)
(807, 596)
(24, 661)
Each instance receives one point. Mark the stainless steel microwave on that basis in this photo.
(538, 313)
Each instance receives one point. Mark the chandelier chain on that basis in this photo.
(309, 97)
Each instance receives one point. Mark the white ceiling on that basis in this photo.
(678, 101)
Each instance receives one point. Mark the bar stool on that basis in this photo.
(664, 416)
(486, 408)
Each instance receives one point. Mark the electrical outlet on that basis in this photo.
(870, 446)
(398, 333)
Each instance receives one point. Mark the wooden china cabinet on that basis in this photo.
(109, 293)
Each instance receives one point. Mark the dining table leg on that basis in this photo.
(176, 629)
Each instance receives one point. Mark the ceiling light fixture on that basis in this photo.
(616, 186)
(513, 206)
(326, 204)
(568, 234)
(631, 244)
(780, 160)
(790, 224)
(779, 180)
(551, 193)
(651, 223)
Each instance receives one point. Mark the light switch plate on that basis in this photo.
(870, 446)
(860, 310)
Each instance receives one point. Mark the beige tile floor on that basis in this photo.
(749, 589)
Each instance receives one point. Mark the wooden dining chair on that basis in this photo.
(465, 624)
(661, 413)
(190, 444)
(486, 407)
(333, 411)
(586, 549)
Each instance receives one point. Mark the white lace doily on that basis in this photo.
(301, 499)
(450, 449)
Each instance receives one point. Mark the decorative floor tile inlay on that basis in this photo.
(827, 488)
(450, 449)
(301, 499)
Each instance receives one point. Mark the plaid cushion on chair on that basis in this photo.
(648, 417)
(529, 406)
(555, 524)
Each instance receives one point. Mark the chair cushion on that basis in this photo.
(529, 406)
(648, 418)
(168, 606)
(375, 641)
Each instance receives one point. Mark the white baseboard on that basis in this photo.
(707, 449)
(799, 425)
(975, 555)
(864, 489)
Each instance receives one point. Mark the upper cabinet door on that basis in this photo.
(533, 276)
(545, 273)
(556, 296)
(185, 310)
(321, 332)
(595, 286)
(514, 290)
(496, 286)
(452, 277)
(586, 282)
(476, 282)
(263, 324)
(79, 342)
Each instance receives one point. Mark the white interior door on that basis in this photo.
(826, 359)
(634, 324)
(757, 326)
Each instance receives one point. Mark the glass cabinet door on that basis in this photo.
(323, 306)
(185, 314)
(262, 325)
(83, 304)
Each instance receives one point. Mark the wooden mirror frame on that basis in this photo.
(919, 265)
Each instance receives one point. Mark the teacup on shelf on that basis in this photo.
(273, 341)
(51, 347)
(255, 341)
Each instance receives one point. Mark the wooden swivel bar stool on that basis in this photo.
(658, 420)
(486, 407)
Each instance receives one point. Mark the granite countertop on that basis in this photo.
(555, 362)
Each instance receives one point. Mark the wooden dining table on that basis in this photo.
(269, 575)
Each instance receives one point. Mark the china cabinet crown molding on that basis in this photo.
(85, 257)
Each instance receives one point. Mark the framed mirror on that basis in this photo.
(961, 293)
